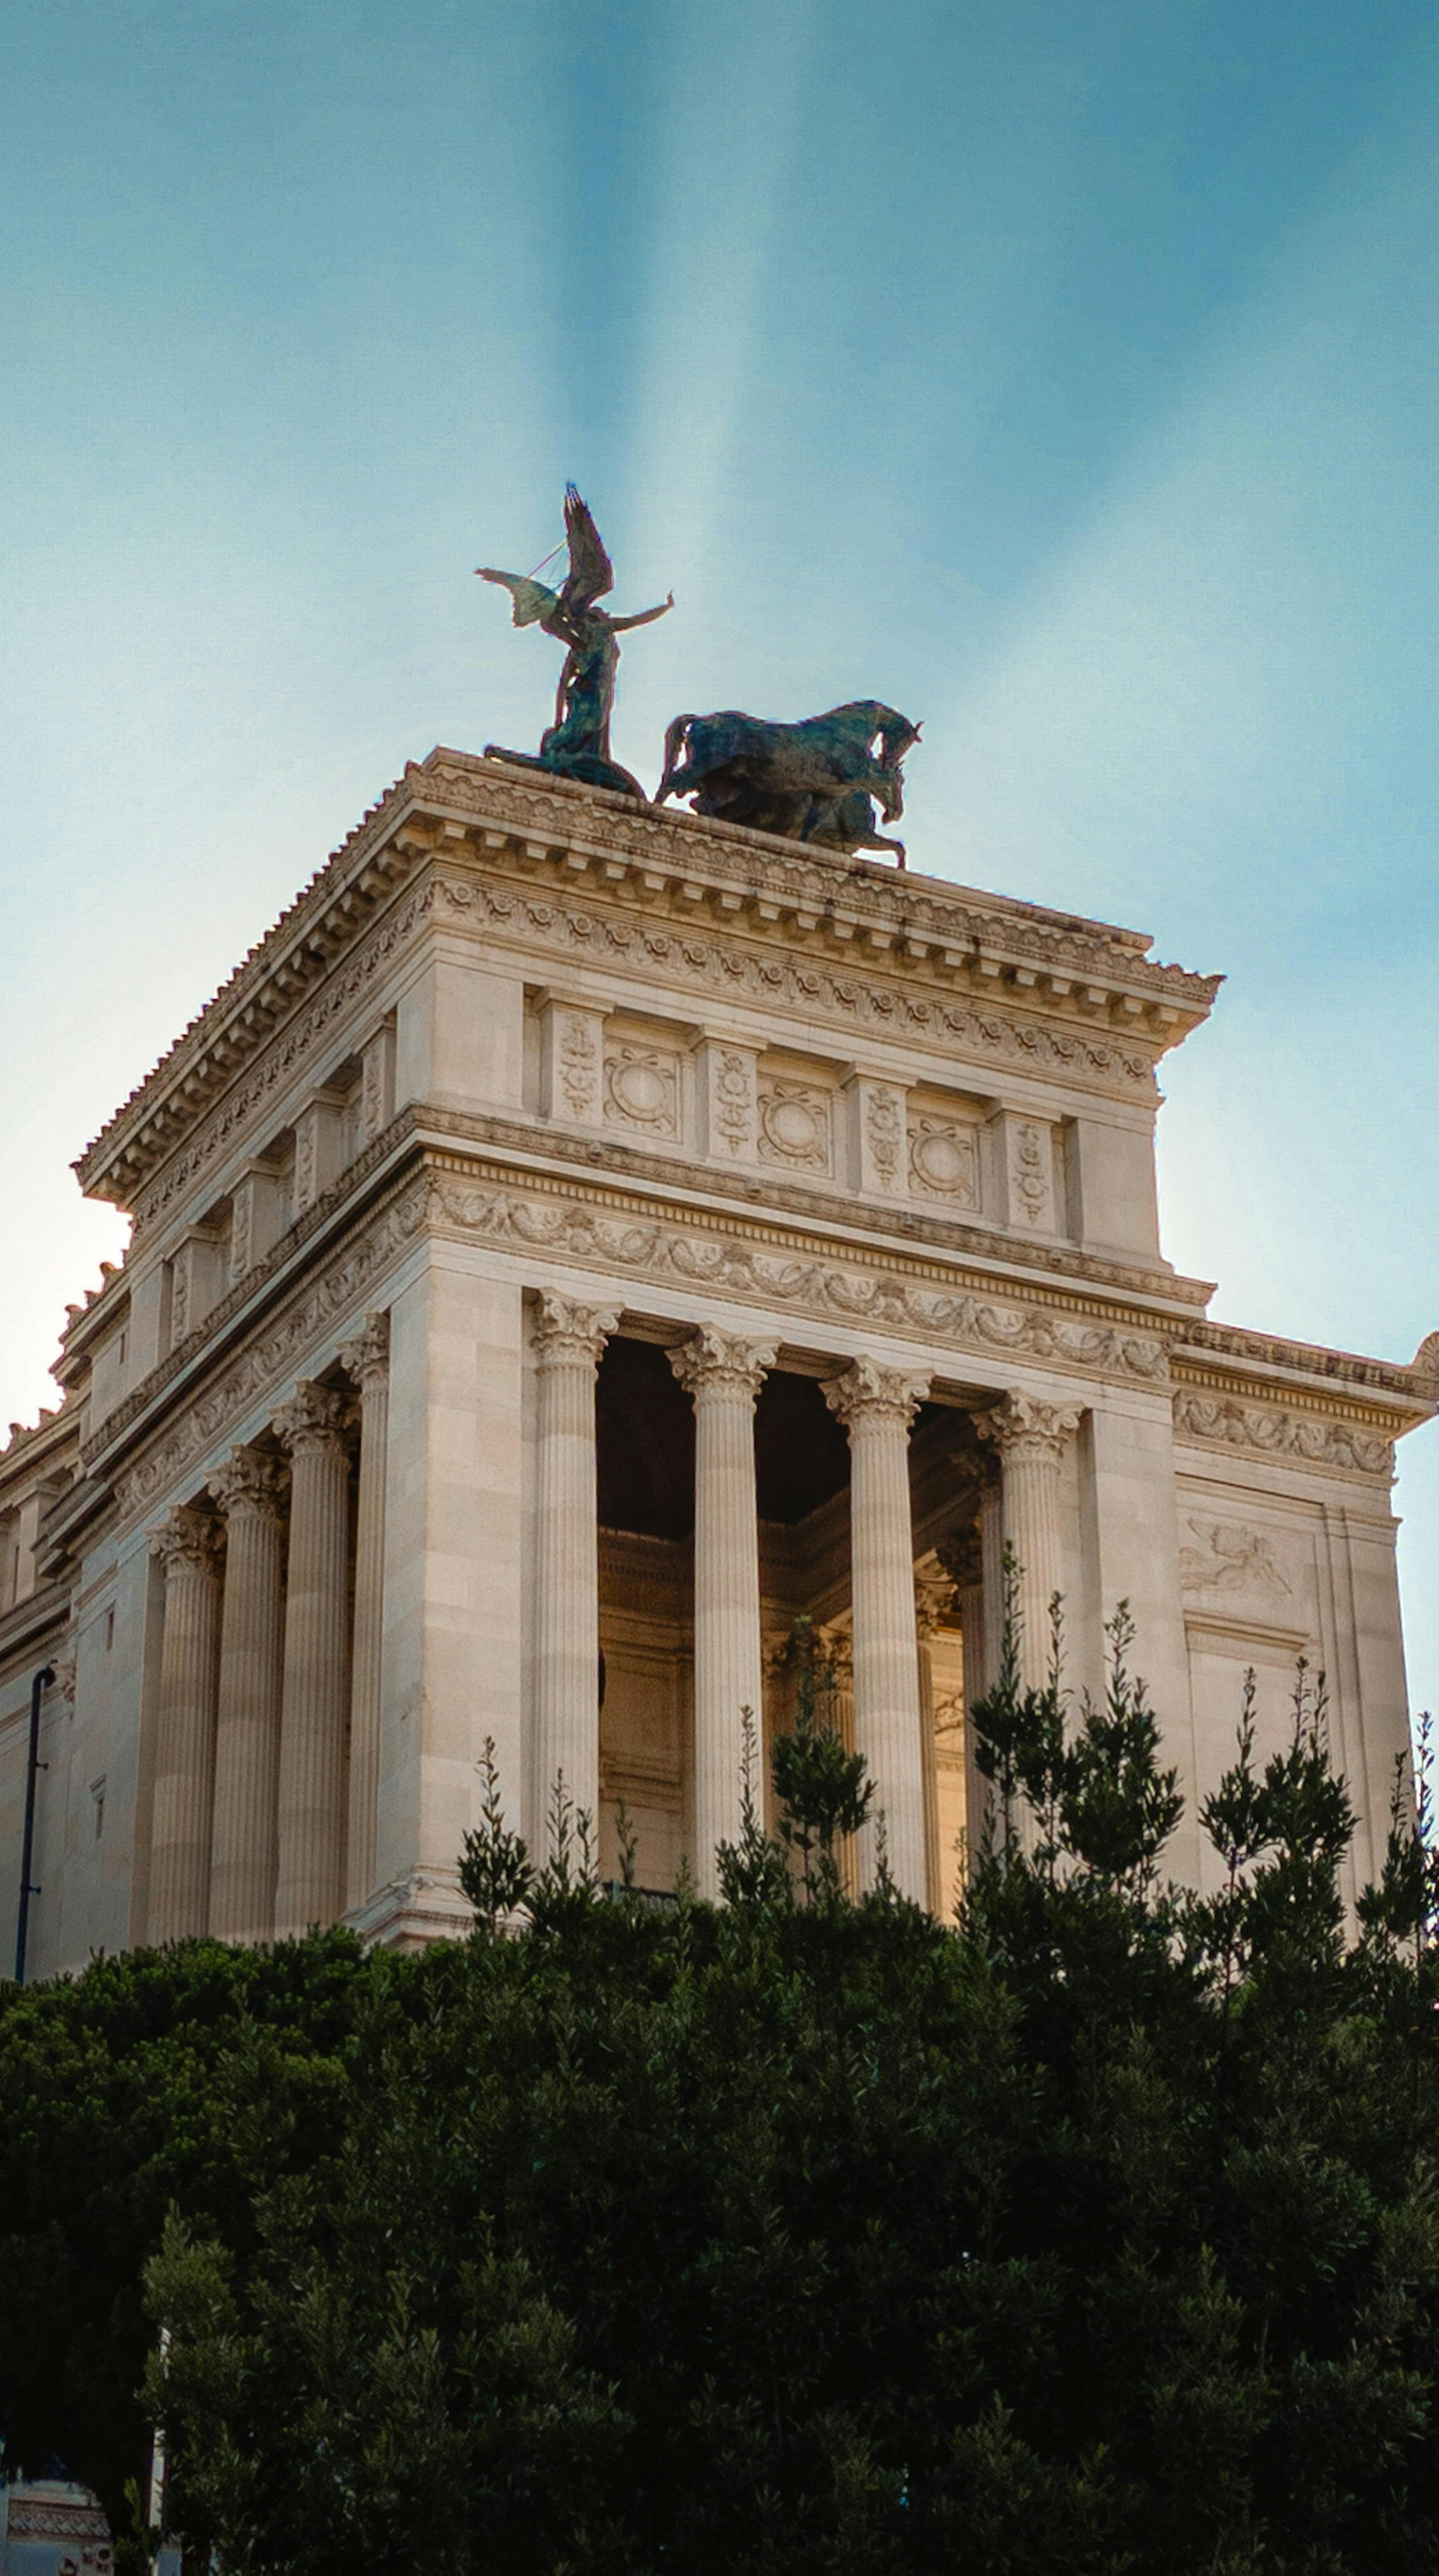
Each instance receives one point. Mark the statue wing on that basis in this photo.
(591, 572)
(534, 603)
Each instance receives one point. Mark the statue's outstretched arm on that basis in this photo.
(646, 616)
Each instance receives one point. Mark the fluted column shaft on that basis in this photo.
(723, 1375)
(965, 1561)
(876, 1406)
(243, 1846)
(1030, 1437)
(188, 1546)
(367, 1361)
(311, 1876)
(568, 1342)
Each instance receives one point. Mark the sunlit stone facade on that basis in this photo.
(577, 1243)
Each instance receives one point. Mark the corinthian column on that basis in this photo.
(568, 1343)
(367, 1362)
(723, 1375)
(1030, 1437)
(247, 1729)
(877, 1406)
(188, 1548)
(311, 1878)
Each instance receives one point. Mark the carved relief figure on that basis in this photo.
(1231, 1558)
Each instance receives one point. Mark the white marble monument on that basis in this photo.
(578, 1240)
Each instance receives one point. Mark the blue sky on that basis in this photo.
(1065, 376)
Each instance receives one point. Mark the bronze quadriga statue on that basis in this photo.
(817, 782)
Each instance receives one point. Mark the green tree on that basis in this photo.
(1095, 2232)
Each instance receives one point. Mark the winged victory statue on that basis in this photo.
(577, 744)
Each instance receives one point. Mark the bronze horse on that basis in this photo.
(813, 782)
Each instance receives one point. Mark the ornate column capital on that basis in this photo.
(366, 1355)
(933, 1595)
(724, 1364)
(1025, 1427)
(249, 1483)
(315, 1418)
(568, 1335)
(188, 1535)
(868, 1392)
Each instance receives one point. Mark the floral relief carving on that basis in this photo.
(884, 1129)
(1030, 1172)
(693, 957)
(579, 1058)
(732, 1098)
(642, 1089)
(794, 1122)
(1271, 1433)
(658, 1250)
(944, 1160)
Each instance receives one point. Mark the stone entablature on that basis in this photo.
(1061, 980)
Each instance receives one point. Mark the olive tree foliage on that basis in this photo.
(1095, 2230)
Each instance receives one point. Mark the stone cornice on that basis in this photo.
(1060, 967)
(1261, 1356)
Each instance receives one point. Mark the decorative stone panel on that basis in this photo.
(571, 1060)
(642, 1088)
(319, 1148)
(1022, 1163)
(728, 1099)
(794, 1124)
(877, 1134)
(376, 1104)
(944, 1159)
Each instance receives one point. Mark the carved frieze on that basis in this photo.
(664, 1249)
(229, 1116)
(1269, 1431)
(260, 1370)
(693, 958)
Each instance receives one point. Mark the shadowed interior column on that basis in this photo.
(188, 1547)
(243, 1849)
(933, 1599)
(876, 1406)
(963, 1558)
(723, 1376)
(568, 1343)
(1030, 1436)
(311, 1879)
(367, 1362)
